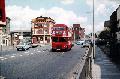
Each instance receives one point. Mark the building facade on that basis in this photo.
(4, 26)
(114, 34)
(107, 25)
(41, 29)
(118, 25)
(6, 39)
(20, 35)
(2, 20)
(78, 32)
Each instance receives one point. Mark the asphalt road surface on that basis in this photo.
(39, 63)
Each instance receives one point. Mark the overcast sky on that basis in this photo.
(62, 11)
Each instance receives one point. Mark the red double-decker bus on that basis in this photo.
(2, 13)
(61, 37)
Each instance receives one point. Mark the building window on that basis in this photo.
(45, 38)
(40, 31)
(36, 25)
(46, 31)
(40, 25)
(3, 41)
(45, 25)
(41, 38)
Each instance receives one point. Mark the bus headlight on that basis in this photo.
(64, 46)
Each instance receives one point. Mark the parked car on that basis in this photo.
(23, 46)
(80, 42)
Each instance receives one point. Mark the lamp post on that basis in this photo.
(93, 34)
(1, 41)
(44, 25)
(74, 35)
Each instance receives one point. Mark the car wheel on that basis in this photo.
(27, 48)
(17, 49)
(70, 47)
(24, 49)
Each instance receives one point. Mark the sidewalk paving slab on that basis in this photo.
(103, 67)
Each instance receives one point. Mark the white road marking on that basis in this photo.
(12, 56)
(21, 55)
(34, 50)
(1, 57)
(63, 52)
(26, 52)
(5, 58)
(39, 51)
(31, 53)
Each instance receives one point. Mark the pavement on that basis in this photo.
(6, 48)
(103, 67)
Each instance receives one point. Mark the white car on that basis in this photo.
(86, 45)
(81, 42)
(23, 46)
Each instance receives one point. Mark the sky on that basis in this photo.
(68, 12)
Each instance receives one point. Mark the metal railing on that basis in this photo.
(86, 70)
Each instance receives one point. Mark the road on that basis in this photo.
(40, 63)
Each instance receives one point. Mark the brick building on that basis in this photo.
(41, 29)
(78, 32)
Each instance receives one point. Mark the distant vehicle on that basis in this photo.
(23, 46)
(80, 42)
(61, 37)
(86, 44)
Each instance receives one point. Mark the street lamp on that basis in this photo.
(1, 41)
(44, 25)
(93, 34)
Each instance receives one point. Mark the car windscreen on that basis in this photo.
(22, 43)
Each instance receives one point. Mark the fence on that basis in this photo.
(86, 70)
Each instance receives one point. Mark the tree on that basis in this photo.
(104, 35)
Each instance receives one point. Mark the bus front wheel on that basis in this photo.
(53, 50)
